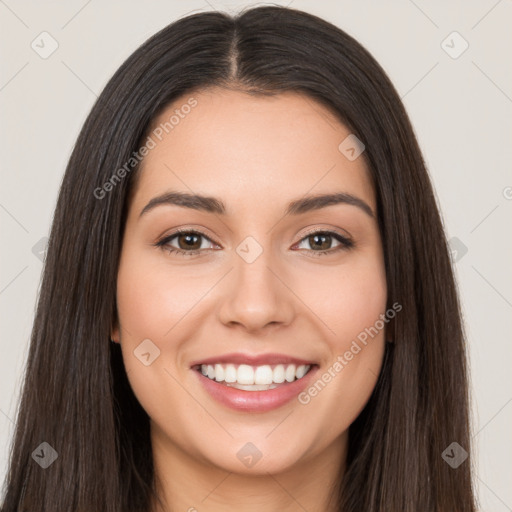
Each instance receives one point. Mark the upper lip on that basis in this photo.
(252, 359)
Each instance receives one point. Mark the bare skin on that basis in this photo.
(255, 154)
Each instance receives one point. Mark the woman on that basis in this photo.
(247, 302)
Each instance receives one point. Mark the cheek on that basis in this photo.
(349, 299)
(150, 302)
(151, 296)
(361, 330)
(353, 310)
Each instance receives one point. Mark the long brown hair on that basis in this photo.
(76, 396)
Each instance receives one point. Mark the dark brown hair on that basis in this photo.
(76, 395)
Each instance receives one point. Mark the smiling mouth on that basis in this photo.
(253, 378)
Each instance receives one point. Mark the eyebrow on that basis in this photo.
(214, 205)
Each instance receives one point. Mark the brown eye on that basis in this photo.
(321, 242)
(188, 242)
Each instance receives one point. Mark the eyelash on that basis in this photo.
(345, 243)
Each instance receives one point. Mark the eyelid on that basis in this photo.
(190, 229)
(308, 232)
(346, 241)
(164, 240)
(341, 232)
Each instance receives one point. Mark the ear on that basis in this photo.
(114, 334)
(114, 326)
(114, 330)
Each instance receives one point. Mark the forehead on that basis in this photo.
(250, 149)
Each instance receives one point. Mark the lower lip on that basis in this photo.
(255, 401)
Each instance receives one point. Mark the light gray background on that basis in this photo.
(460, 109)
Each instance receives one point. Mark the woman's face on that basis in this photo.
(251, 295)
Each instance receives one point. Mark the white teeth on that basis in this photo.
(278, 374)
(290, 373)
(254, 387)
(219, 373)
(230, 373)
(263, 375)
(245, 374)
(254, 378)
(301, 371)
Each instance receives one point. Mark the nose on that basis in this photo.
(257, 295)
